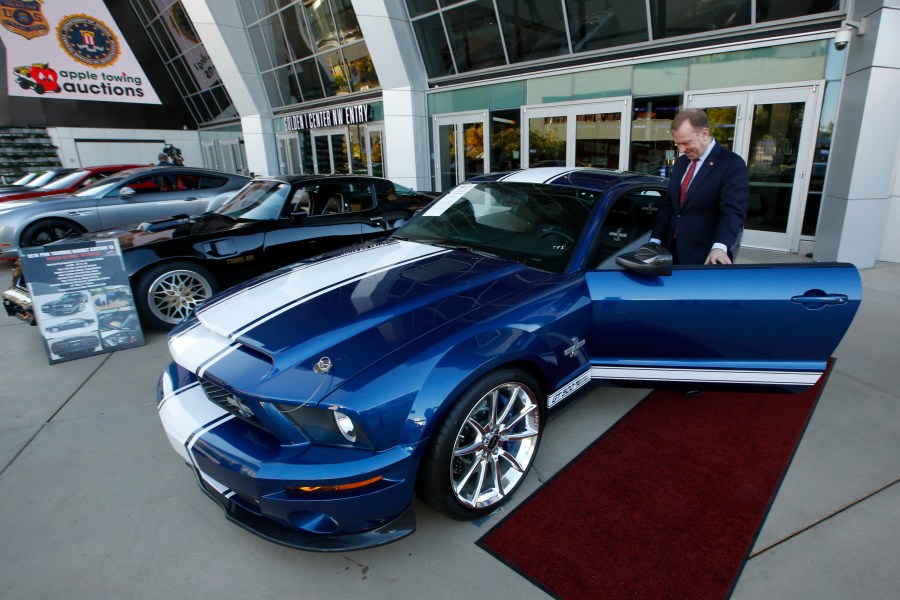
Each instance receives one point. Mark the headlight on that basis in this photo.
(324, 426)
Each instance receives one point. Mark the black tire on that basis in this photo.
(49, 230)
(470, 451)
(166, 294)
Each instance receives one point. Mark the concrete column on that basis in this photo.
(401, 74)
(860, 217)
(221, 27)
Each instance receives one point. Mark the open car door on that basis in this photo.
(738, 326)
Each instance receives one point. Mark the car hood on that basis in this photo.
(179, 226)
(266, 337)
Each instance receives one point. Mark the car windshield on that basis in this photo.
(537, 225)
(257, 201)
(26, 179)
(43, 179)
(95, 190)
(402, 190)
(67, 181)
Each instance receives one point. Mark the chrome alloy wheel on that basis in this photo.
(495, 445)
(174, 294)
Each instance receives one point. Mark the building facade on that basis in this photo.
(430, 92)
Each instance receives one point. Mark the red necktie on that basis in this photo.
(687, 179)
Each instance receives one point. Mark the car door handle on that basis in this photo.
(189, 198)
(820, 299)
(377, 220)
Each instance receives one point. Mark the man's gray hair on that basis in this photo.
(695, 116)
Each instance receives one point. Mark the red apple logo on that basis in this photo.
(45, 77)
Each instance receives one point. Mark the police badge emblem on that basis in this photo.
(88, 40)
(24, 17)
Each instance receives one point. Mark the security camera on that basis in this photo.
(841, 38)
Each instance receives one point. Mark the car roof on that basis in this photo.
(581, 177)
(173, 168)
(94, 168)
(325, 177)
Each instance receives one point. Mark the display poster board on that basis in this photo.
(69, 51)
(81, 298)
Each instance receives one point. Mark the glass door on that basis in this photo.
(459, 149)
(594, 134)
(774, 131)
(375, 145)
(289, 160)
(210, 156)
(330, 151)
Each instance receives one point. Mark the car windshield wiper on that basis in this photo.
(460, 246)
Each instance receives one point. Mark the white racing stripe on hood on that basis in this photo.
(185, 412)
(195, 348)
(249, 307)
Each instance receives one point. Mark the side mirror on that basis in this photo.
(649, 259)
(299, 216)
(126, 192)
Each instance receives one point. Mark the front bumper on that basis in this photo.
(17, 303)
(246, 471)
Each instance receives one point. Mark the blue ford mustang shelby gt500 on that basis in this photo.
(315, 401)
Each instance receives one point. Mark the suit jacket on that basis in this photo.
(714, 208)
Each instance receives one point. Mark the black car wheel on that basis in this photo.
(167, 294)
(49, 230)
(483, 449)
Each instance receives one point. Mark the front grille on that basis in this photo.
(228, 401)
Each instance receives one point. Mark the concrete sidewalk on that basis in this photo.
(94, 503)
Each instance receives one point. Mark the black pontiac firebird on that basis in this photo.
(177, 263)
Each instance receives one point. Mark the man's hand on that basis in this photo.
(717, 257)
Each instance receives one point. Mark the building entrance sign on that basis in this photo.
(329, 117)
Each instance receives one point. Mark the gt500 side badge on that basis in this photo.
(568, 389)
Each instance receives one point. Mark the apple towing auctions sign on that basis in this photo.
(81, 298)
(71, 51)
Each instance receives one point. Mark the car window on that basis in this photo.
(631, 215)
(334, 197)
(153, 183)
(99, 188)
(67, 181)
(207, 182)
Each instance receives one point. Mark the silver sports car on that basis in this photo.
(132, 196)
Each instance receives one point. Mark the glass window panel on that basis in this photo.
(359, 158)
(505, 140)
(334, 74)
(339, 153)
(361, 70)
(201, 68)
(598, 24)
(681, 17)
(306, 153)
(299, 41)
(772, 162)
(161, 33)
(652, 150)
(820, 158)
(286, 79)
(602, 83)
(547, 141)
(549, 89)
(375, 142)
(475, 36)
(322, 25)
(185, 74)
(310, 81)
(597, 140)
(226, 107)
(473, 141)
(722, 124)
(420, 7)
(450, 2)
(258, 34)
(272, 90)
(275, 40)
(433, 46)
(772, 10)
(796, 62)
(345, 20)
(446, 144)
(507, 95)
(532, 30)
(248, 10)
(666, 77)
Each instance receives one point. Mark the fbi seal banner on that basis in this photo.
(70, 50)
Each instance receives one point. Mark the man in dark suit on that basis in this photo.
(708, 196)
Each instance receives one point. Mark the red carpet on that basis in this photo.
(666, 504)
